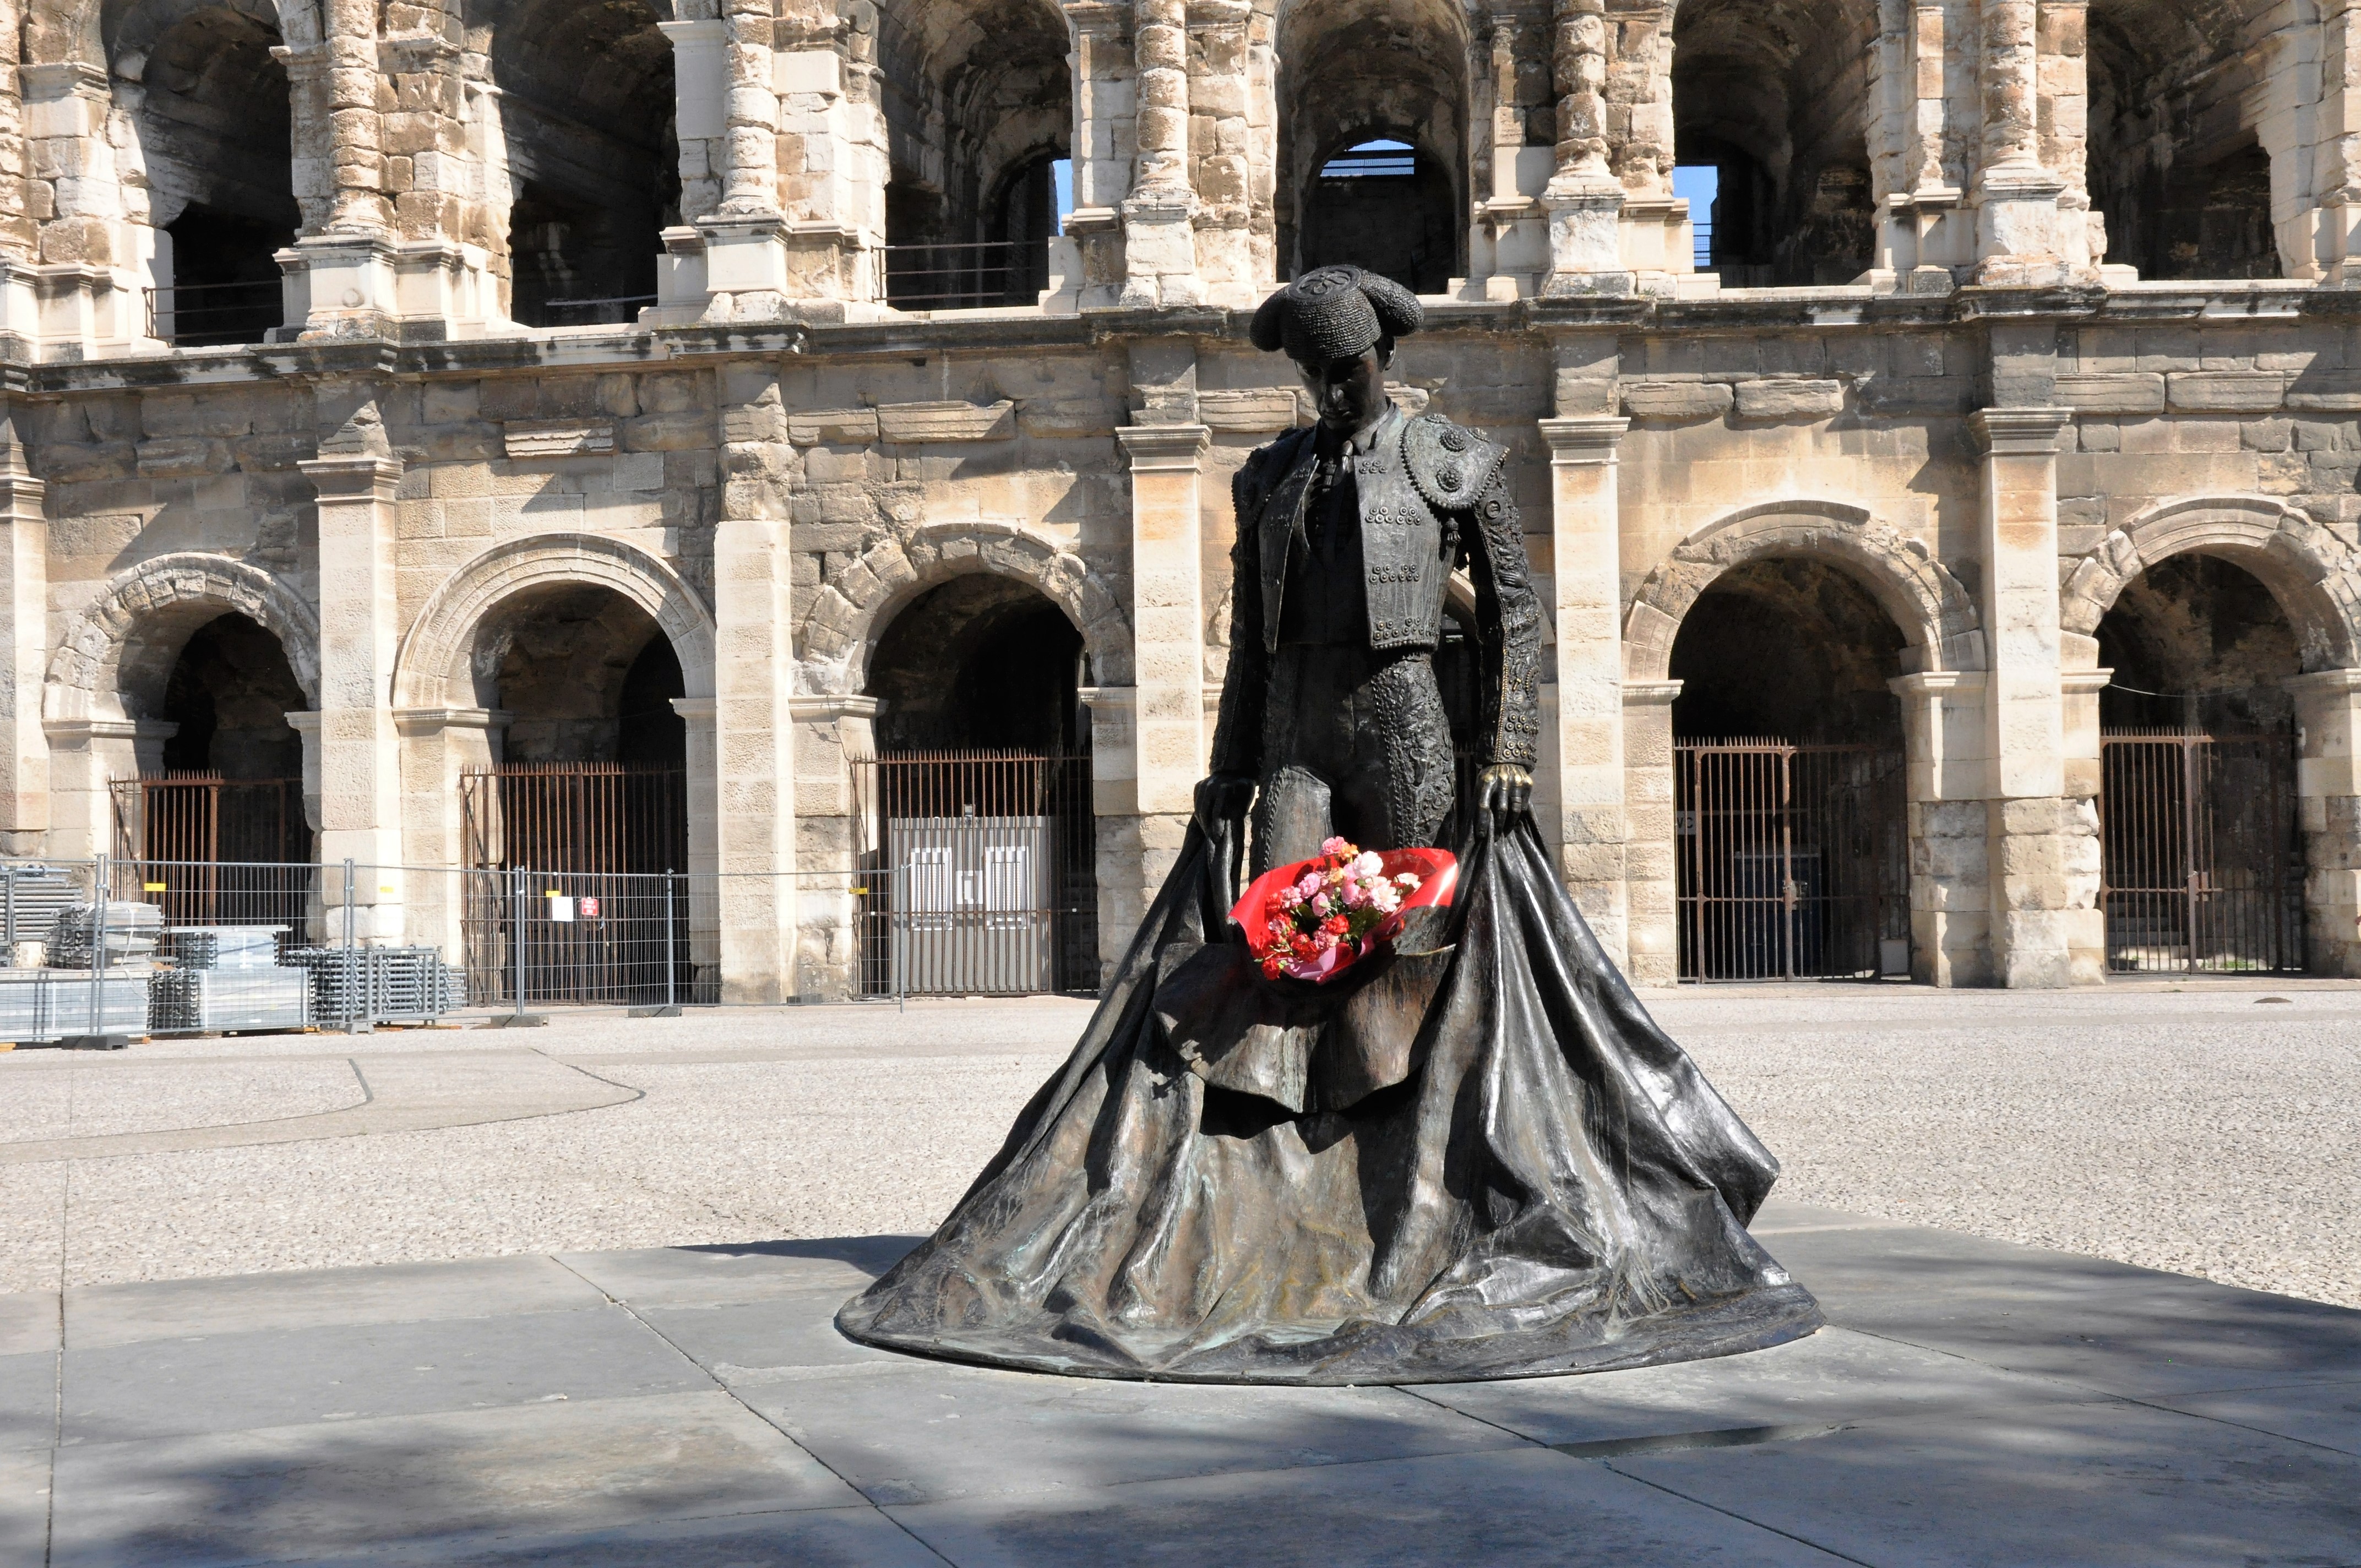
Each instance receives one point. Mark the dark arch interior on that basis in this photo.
(1382, 204)
(230, 692)
(2198, 644)
(1788, 650)
(594, 164)
(982, 663)
(215, 123)
(1772, 95)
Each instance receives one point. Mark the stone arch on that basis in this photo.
(838, 633)
(1937, 619)
(116, 655)
(433, 667)
(2308, 569)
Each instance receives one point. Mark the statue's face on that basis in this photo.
(1349, 392)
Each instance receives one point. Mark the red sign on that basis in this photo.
(587, 907)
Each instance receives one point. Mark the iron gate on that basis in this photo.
(993, 887)
(216, 851)
(574, 891)
(1791, 862)
(2203, 855)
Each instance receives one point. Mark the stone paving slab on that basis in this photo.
(28, 1322)
(104, 1315)
(1972, 1402)
(183, 1386)
(2106, 1482)
(29, 1400)
(300, 1493)
(1501, 1510)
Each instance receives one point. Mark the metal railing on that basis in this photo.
(200, 315)
(977, 275)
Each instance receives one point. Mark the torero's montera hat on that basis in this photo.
(1334, 313)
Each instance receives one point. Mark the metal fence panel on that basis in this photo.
(2203, 853)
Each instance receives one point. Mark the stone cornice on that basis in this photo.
(1584, 440)
(2020, 432)
(1167, 448)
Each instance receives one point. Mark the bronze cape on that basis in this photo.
(1479, 1159)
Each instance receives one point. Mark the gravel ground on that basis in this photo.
(2198, 1129)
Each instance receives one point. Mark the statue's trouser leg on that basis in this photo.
(1354, 743)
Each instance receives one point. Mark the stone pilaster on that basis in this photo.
(2026, 233)
(2043, 845)
(355, 475)
(2331, 230)
(24, 645)
(1168, 612)
(1586, 604)
(753, 672)
(704, 760)
(747, 272)
(1918, 162)
(1651, 886)
(1234, 260)
(2328, 791)
(830, 732)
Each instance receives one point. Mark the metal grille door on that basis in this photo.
(1792, 862)
(2203, 854)
(991, 883)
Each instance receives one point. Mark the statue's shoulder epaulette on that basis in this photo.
(1448, 462)
(1263, 469)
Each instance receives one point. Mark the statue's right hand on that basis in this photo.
(1224, 798)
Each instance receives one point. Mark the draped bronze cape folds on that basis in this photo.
(1549, 1186)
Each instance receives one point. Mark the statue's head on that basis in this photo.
(1338, 324)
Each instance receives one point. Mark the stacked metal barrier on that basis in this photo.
(379, 985)
(131, 930)
(226, 978)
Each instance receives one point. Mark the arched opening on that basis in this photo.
(227, 784)
(979, 801)
(1373, 139)
(211, 109)
(1791, 817)
(586, 110)
(979, 116)
(2204, 857)
(1385, 206)
(2175, 164)
(1769, 126)
(579, 833)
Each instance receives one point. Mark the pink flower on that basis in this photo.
(1383, 898)
(1322, 940)
(1356, 894)
(1368, 866)
(1335, 847)
(1311, 882)
(1406, 882)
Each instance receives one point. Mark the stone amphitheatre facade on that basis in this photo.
(2011, 403)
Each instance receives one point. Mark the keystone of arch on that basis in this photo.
(2308, 569)
(839, 633)
(1937, 619)
(433, 667)
(123, 643)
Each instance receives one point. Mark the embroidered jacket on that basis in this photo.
(1432, 495)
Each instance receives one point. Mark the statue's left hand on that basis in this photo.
(1505, 790)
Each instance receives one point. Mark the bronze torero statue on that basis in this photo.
(1347, 536)
(1471, 1154)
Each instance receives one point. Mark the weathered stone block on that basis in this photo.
(1769, 399)
(2224, 390)
(2116, 392)
(1677, 400)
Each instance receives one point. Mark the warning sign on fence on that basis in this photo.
(587, 908)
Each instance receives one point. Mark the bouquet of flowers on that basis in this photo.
(1313, 919)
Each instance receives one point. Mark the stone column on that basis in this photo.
(1652, 878)
(1945, 745)
(1106, 108)
(831, 730)
(2043, 845)
(700, 80)
(834, 166)
(703, 844)
(1584, 198)
(1159, 245)
(92, 259)
(1585, 605)
(360, 777)
(439, 746)
(753, 672)
(745, 237)
(2328, 793)
(1234, 268)
(2022, 236)
(24, 645)
(2331, 233)
(1923, 233)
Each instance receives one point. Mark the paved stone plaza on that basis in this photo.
(651, 1376)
